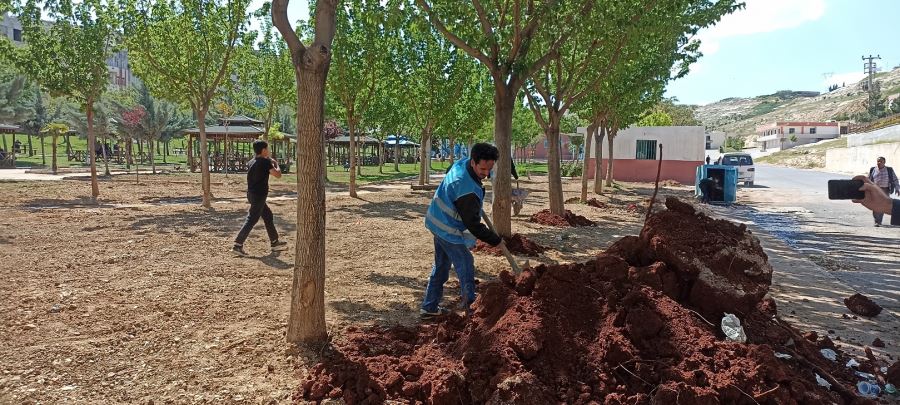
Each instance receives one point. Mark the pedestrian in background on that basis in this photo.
(886, 179)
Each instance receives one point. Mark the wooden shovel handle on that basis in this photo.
(512, 261)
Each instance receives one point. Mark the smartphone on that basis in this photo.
(845, 190)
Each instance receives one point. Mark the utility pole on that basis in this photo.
(870, 68)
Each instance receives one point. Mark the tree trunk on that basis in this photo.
(424, 155)
(189, 149)
(140, 145)
(591, 129)
(68, 145)
(452, 150)
(53, 168)
(30, 148)
(92, 146)
(5, 145)
(153, 156)
(554, 187)
(105, 157)
(609, 167)
(598, 168)
(204, 158)
(397, 153)
(44, 152)
(381, 158)
(128, 159)
(165, 150)
(504, 103)
(352, 156)
(307, 317)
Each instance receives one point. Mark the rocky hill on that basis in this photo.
(740, 116)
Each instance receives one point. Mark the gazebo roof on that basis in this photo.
(235, 131)
(402, 142)
(4, 128)
(346, 139)
(241, 120)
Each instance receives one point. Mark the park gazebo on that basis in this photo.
(338, 151)
(409, 150)
(231, 144)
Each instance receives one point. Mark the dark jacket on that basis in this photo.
(892, 178)
(895, 213)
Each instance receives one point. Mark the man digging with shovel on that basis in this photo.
(454, 219)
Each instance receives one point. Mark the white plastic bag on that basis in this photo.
(732, 328)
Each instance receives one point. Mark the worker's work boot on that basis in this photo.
(441, 311)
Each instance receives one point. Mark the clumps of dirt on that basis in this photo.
(893, 374)
(593, 202)
(670, 183)
(638, 324)
(545, 217)
(516, 244)
(878, 343)
(861, 305)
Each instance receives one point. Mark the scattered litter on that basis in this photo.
(822, 381)
(865, 376)
(852, 363)
(890, 389)
(829, 354)
(732, 328)
(868, 390)
(783, 356)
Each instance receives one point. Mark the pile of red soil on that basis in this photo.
(517, 244)
(623, 328)
(545, 217)
(893, 374)
(593, 202)
(861, 305)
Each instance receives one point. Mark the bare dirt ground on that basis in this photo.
(135, 299)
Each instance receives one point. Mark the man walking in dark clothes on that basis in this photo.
(258, 171)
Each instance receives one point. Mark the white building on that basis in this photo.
(715, 139)
(636, 153)
(787, 134)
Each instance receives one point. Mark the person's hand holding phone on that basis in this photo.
(875, 199)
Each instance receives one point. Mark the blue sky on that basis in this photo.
(776, 45)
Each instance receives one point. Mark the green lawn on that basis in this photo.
(336, 174)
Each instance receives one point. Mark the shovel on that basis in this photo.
(512, 261)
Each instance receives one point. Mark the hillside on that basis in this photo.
(741, 115)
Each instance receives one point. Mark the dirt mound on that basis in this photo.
(545, 217)
(625, 327)
(593, 202)
(893, 374)
(861, 305)
(517, 244)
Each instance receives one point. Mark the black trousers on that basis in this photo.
(877, 215)
(258, 208)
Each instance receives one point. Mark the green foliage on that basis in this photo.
(895, 106)
(69, 57)
(876, 104)
(571, 170)
(733, 144)
(793, 138)
(655, 119)
(14, 102)
(182, 49)
(681, 114)
(764, 107)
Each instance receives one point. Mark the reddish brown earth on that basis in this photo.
(516, 244)
(893, 374)
(545, 217)
(861, 305)
(878, 343)
(638, 324)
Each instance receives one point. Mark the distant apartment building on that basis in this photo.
(788, 134)
(120, 76)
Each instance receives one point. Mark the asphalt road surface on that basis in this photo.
(793, 205)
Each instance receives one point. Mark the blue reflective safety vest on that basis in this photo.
(442, 218)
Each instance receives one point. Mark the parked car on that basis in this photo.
(744, 163)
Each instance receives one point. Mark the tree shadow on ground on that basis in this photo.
(222, 223)
(75, 202)
(398, 210)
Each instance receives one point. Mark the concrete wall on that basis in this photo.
(883, 135)
(859, 159)
(715, 139)
(541, 149)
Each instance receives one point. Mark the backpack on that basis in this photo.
(892, 177)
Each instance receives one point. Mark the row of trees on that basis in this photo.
(435, 68)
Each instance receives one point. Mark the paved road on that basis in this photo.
(793, 205)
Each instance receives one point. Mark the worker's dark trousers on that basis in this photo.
(258, 208)
(877, 215)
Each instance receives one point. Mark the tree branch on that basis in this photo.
(487, 29)
(469, 49)
(280, 20)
